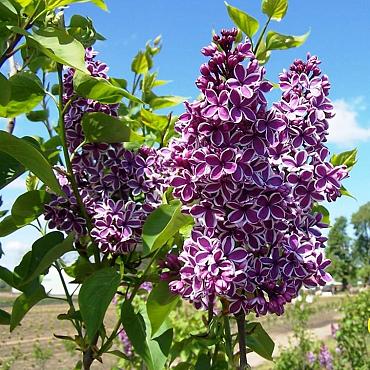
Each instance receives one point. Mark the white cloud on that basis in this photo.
(344, 128)
(13, 252)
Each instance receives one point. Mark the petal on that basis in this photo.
(223, 113)
(236, 114)
(211, 96)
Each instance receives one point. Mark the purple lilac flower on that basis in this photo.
(311, 358)
(325, 358)
(250, 176)
(118, 187)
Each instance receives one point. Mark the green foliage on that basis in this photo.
(103, 128)
(162, 224)
(25, 92)
(278, 41)
(242, 20)
(153, 350)
(5, 88)
(159, 305)
(94, 298)
(45, 251)
(38, 115)
(100, 89)
(33, 294)
(4, 318)
(52, 4)
(10, 169)
(29, 206)
(30, 158)
(8, 226)
(339, 251)
(361, 248)
(324, 211)
(275, 9)
(258, 340)
(348, 159)
(353, 336)
(141, 63)
(161, 102)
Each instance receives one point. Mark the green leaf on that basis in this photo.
(10, 169)
(278, 41)
(242, 20)
(203, 362)
(346, 193)
(102, 128)
(160, 102)
(7, 10)
(100, 89)
(159, 305)
(119, 354)
(9, 277)
(31, 182)
(61, 47)
(45, 251)
(5, 88)
(8, 226)
(275, 9)
(81, 269)
(25, 302)
(263, 55)
(53, 4)
(38, 115)
(26, 93)
(30, 158)
(325, 213)
(4, 318)
(95, 296)
(259, 341)
(348, 158)
(154, 351)
(162, 224)
(154, 121)
(29, 206)
(140, 63)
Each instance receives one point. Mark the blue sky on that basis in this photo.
(339, 36)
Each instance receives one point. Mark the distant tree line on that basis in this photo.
(350, 256)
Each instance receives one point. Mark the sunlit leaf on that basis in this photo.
(58, 45)
(100, 89)
(347, 158)
(162, 224)
(242, 20)
(103, 128)
(278, 41)
(275, 9)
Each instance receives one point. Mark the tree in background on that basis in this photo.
(340, 252)
(361, 247)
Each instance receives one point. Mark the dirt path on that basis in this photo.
(281, 339)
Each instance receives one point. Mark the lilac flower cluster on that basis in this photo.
(251, 176)
(325, 358)
(118, 187)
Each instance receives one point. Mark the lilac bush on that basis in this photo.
(251, 177)
(118, 187)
